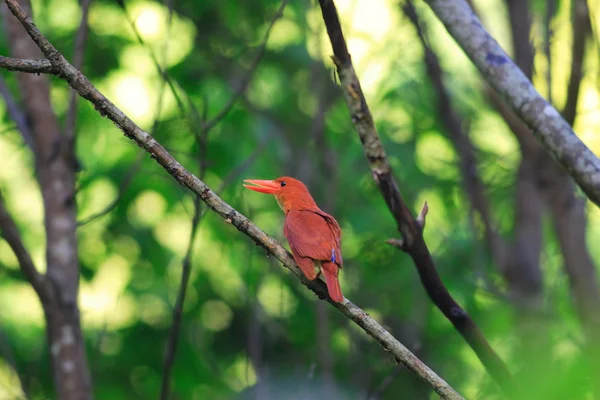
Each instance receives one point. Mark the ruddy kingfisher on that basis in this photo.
(314, 236)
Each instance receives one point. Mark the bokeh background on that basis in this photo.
(250, 329)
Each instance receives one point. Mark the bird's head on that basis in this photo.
(291, 194)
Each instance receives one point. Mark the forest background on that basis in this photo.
(238, 90)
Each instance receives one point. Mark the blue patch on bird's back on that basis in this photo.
(332, 255)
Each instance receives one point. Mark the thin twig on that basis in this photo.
(83, 86)
(413, 242)
(124, 185)
(13, 238)
(16, 114)
(243, 85)
(178, 309)
(30, 66)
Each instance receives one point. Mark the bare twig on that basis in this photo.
(31, 66)
(124, 185)
(554, 133)
(243, 85)
(13, 238)
(178, 309)
(412, 237)
(82, 85)
(186, 268)
(16, 114)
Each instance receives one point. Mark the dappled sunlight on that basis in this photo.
(135, 58)
(22, 195)
(285, 32)
(587, 124)
(593, 230)
(151, 21)
(103, 301)
(7, 256)
(240, 374)
(59, 95)
(241, 305)
(270, 221)
(127, 247)
(147, 209)
(435, 155)
(96, 196)
(216, 262)
(92, 248)
(154, 311)
(135, 87)
(173, 232)
(143, 276)
(368, 28)
(351, 241)
(20, 305)
(173, 284)
(490, 133)
(566, 349)
(471, 387)
(276, 298)
(111, 343)
(107, 19)
(265, 89)
(59, 16)
(562, 48)
(10, 387)
(216, 315)
(132, 94)
(341, 341)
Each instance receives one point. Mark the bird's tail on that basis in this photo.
(330, 272)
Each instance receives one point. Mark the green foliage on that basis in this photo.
(239, 301)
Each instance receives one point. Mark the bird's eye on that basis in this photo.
(282, 184)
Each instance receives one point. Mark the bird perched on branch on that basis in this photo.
(314, 236)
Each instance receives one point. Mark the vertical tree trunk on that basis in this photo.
(55, 170)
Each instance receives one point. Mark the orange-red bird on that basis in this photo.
(314, 236)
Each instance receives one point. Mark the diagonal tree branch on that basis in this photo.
(82, 85)
(410, 228)
(10, 233)
(553, 132)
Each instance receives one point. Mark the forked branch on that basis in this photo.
(82, 85)
(409, 226)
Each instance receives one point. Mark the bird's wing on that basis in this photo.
(311, 234)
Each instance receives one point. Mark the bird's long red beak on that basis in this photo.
(262, 186)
